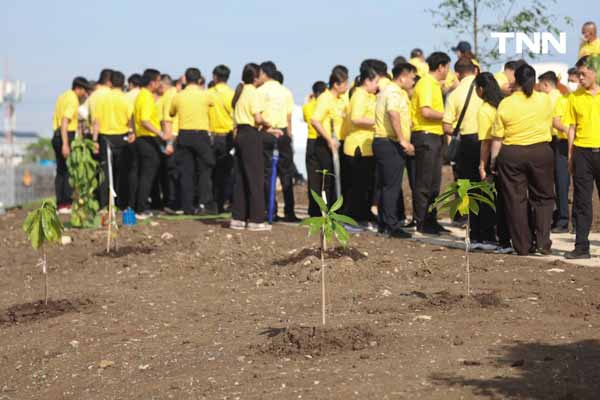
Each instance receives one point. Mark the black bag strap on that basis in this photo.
(456, 131)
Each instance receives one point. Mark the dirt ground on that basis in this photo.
(204, 312)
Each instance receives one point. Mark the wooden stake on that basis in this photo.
(45, 273)
(467, 246)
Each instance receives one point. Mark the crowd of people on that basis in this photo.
(184, 146)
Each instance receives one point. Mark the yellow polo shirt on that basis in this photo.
(276, 104)
(451, 79)
(66, 107)
(132, 95)
(584, 112)
(555, 95)
(501, 78)
(191, 106)
(485, 121)
(421, 66)
(145, 109)
(248, 104)
(327, 110)
(560, 111)
(383, 82)
(362, 105)
(307, 112)
(427, 93)
(165, 102)
(588, 49)
(113, 113)
(455, 103)
(220, 114)
(93, 99)
(392, 98)
(524, 120)
(341, 121)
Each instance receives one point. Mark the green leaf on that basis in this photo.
(473, 206)
(338, 204)
(341, 234)
(319, 200)
(344, 219)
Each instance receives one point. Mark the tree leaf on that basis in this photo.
(344, 219)
(319, 200)
(338, 204)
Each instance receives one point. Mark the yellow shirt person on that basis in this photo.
(584, 113)
(146, 109)
(66, 107)
(362, 105)
(276, 104)
(113, 112)
(524, 120)
(307, 112)
(589, 49)
(221, 114)
(392, 98)
(455, 103)
(100, 91)
(164, 104)
(486, 118)
(249, 104)
(191, 106)
(427, 93)
(327, 111)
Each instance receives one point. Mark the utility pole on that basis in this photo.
(475, 27)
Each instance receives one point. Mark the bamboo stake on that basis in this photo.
(467, 246)
(45, 273)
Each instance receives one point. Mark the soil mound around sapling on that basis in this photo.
(125, 251)
(331, 254)
(37, 311)
(445, 300)
(318, 341)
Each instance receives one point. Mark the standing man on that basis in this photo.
(134, 83)
(168, 174)
(149, 139)
(590, 44)
(112, 126)
(278, 106)
(427, 111)
(64, 125)
(102, 88)
(195, 155)
(583, 117)
(221, 126)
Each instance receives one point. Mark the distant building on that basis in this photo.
(13, 153)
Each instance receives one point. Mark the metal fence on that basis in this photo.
(25, 183)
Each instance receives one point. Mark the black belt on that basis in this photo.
(428, 133)
(590, 149)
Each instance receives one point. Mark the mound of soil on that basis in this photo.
(36, 311)
(445, 300)
(317, 341)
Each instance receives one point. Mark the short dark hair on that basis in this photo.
(403, 68)
(582, 62)
(150, 75)
(80, 82)
(105, 76)
(193, 75)
(166, 78)
(118, 79)
(572, 71)
(278, 76)
(416, 53)
(513, 65)
(269, 68)
(221, 72)
(135, 80)
(318, 87)
(379, 66)
(436, 59)
(548, 76)
(339, 74)
(399, 60)
(464, 65)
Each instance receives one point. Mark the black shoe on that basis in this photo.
(208, 209)
(399, 233)
(578, 254)
(291, 219)
(428, 230)
(409, 225)
(545, 252)
(560, 229)
(440, 228)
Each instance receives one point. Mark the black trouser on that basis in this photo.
(133, 173)
(467, 167)
(359, 189)
(120, 169)
(391, 160)
(318, 158)
(62, 189)
(149, 155)
(223, 172)
(195, 157)
(410, 173)
(527, 170)
(428, 175)
(248, 193)
(285, 169)
(586, 171)
(562, 181)
(173, 199)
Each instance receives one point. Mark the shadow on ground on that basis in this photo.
(538, 371)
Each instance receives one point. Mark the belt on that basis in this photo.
(427, 133)
(591, 149)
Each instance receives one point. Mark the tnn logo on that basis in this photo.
(540, 43)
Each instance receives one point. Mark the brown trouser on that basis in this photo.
(527, 176)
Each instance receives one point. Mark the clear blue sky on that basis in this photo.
(47, 43)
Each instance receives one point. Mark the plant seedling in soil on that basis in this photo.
(43, 227)
(329, 224)
(464, 196)
(84, 178)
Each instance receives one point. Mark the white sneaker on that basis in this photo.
(143, 216)
(258, 227)
(504, 250)
(487, 246)
(237, 224)
(64, 210)
(476, 246)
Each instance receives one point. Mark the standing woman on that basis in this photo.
(358, 146)
(326, 112)
(489, 91)
(248, 194)
(525, 162)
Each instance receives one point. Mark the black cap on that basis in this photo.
(462, 46)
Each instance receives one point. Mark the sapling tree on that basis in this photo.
(43, 227)
(84, 178)
(329, 225)
(463, 197)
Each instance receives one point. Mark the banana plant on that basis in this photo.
(43, 227)
(84, 178)
(330, 224)
(464, 197)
